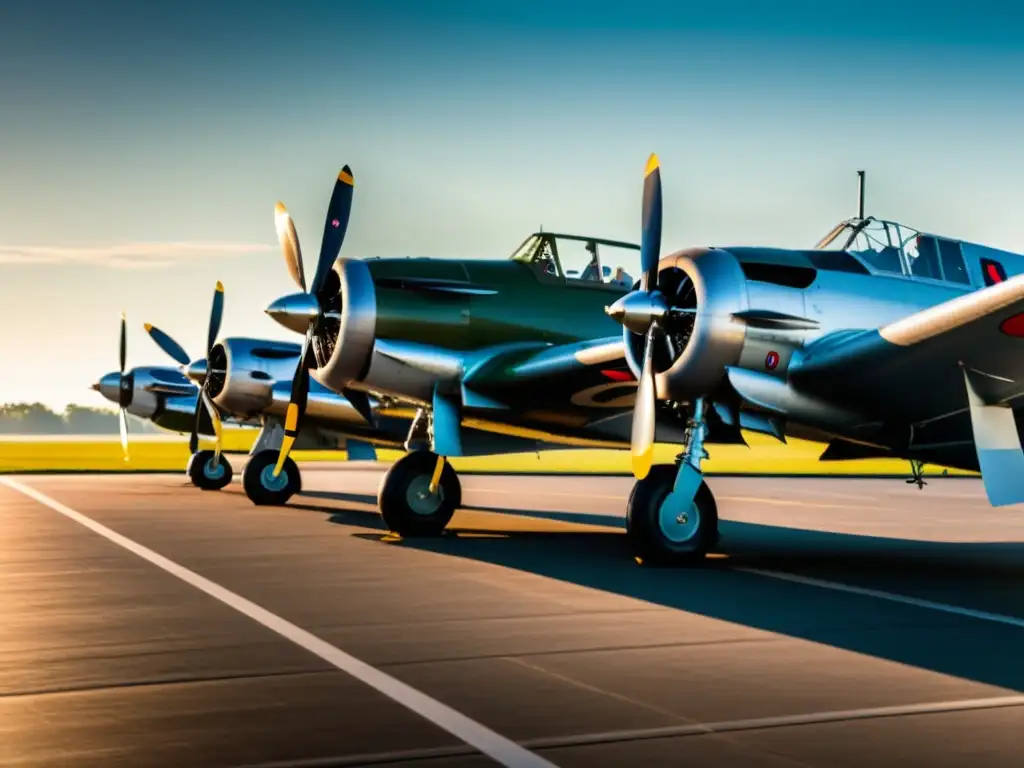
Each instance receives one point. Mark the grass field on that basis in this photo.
(159, 453)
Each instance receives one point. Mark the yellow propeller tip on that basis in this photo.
(652, 165)
(642, 463)
(220, 287)
(346, 176)
(148, 327)
(280, 210)
(122, 316)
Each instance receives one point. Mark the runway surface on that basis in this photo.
(844, 623)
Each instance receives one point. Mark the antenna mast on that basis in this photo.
(860, 194)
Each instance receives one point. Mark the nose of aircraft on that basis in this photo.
(109, 386)
(295, 311)
(196, 371)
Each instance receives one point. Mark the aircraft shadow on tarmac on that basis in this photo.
(971, 649)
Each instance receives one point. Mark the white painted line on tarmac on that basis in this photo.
(488, 742)
(892, 597)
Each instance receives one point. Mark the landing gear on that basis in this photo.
(671, 516)
(419, 494)
(204, 474)
(262, 487)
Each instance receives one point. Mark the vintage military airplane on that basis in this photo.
(828, 343)
(882, 341)
(249, 380)
(484, 356)
(159, 394)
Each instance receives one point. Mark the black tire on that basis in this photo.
(647, 539)
(259, 484)
(203, 474)
(403, 505)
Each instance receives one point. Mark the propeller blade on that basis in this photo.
(296, 407)
(167, 344)
(650, 243)
(123, 424)
(289, 239)
(217, 427)
(334, 228)
(216, 314)
(124, 341)
(642, 438)
(193, 440)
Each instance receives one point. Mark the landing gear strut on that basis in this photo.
(671, 516)
(419, 494)
(206, 474)
(917, 474)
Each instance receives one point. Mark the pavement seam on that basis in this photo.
(782, 721)
(892, 597)
(594, 650)
(593, 688)
(170, 682)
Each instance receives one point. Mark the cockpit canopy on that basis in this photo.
(587, 259)
(888, 247)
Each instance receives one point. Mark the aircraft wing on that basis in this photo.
(964, 355)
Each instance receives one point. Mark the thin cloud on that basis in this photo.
(125, 255)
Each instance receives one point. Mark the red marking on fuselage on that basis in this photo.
(618, 375)
(1013, 326)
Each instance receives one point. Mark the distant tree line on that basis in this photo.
(37, 419)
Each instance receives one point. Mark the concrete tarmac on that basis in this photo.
(843, 623)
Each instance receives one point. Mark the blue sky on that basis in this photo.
(145, 144)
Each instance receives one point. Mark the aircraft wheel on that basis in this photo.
(204, 474)
(660, 538)
(262, 487)
(405, 501)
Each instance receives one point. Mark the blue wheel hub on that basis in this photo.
(271, 483)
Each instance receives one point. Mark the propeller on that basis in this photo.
(176, 351)
(126, 388)
(312, 301)
(643, 311)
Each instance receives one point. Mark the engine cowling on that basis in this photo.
(707, 287)
(343, 344)
(149, 389)
(242, 373)
(248, 377)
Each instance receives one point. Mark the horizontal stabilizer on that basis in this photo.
(997, 442)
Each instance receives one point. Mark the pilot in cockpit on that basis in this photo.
(622, 278)
(591, 271)
(544, 262)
